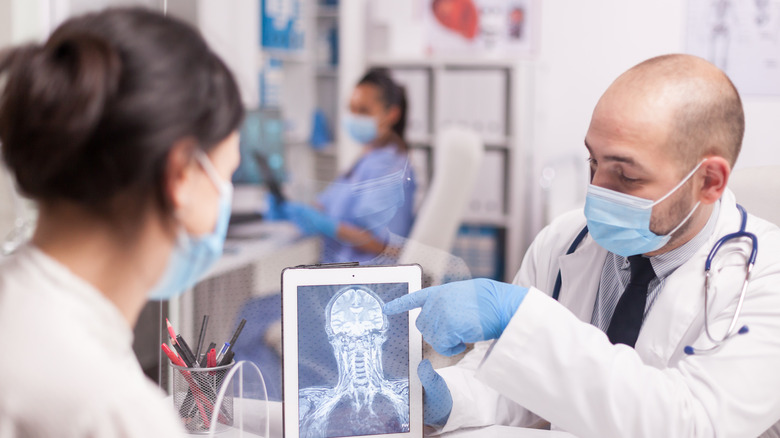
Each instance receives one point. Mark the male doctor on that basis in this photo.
(608, 359)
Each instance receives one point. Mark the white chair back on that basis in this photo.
(458, 158)
(758, 190)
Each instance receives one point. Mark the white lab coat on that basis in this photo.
(552, 362)
(67, 367)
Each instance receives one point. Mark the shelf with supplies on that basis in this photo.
(392, 61)
(328, 11)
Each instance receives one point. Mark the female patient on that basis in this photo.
(122, 126)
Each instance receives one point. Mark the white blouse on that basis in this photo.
(67, 367)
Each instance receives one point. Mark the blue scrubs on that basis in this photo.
(376, 195)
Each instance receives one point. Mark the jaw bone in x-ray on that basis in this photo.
(363, 402)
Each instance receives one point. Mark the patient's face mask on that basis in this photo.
(363, 129)
(192, 256)
(620, 223)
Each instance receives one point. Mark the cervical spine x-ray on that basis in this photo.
(357, 397)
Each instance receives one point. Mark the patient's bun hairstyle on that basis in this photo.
(92, 113)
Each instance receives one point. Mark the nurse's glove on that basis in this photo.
(275, 211)
(437, 400)
(462, 312)
(309, 220)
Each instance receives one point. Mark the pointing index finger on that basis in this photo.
(406, 302)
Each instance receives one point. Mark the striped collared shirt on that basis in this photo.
(617, 273)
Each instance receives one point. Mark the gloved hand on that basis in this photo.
(437, 400)
(462, 312)
(275, 211)
(309, 220)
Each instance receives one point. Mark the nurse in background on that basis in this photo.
(369, 208)
(122, 127)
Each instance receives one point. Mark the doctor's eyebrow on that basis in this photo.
(616, 158)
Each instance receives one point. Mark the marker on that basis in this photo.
(184, 358)
(190, 358)
(176, 360)
(203, 326)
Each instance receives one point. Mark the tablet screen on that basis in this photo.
(353, 362)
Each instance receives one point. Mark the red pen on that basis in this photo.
(176, 360)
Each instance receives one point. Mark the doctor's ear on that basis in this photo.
(716, 177)
(180, 172)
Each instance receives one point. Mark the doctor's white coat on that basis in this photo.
(552, 363)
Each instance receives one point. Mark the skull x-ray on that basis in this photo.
(353, 361)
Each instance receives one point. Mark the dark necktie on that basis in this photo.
(630, 310)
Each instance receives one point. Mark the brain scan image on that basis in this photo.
(363, 400)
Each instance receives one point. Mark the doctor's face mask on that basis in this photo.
(620, 223)
(192, 256)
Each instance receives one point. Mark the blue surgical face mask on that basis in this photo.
(192, 256)
(620, 223)
(362, 129)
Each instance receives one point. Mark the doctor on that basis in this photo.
(608, 358)
(122, 126)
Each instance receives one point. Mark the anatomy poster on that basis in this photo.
(498, 27)
(741, 37)
(353, 361)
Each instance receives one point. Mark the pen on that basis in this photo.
(183, 357)
(229, 352)
(176, 360)
(224, 351)
(238, 331)
(186, 349)
(193, 387)
(204, 362)
(203, 326)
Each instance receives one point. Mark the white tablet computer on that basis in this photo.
(348, 369)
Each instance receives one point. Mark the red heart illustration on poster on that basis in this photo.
(460, 16)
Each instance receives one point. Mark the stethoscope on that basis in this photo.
(751, 261)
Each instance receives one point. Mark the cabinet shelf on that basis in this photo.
(327, 12)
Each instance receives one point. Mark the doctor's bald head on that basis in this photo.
(687, 106)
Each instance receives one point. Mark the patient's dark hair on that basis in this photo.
(94, 112)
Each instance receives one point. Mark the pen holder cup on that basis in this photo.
(196, 394)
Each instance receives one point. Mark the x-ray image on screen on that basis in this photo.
(353, 361)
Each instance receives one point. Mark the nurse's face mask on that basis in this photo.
(362, 128)
(620, 223)
(192, 256)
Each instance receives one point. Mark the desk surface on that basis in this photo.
(275, 426)
(249, 242)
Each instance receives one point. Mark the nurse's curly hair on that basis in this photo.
(93, 112)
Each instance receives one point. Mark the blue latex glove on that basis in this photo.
(437, 400)
(275, 211)
(309, 220)
(462, 312)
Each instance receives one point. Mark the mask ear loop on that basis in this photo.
(210, 170)
(684, 180)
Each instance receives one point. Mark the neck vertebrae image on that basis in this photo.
(363, 401)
